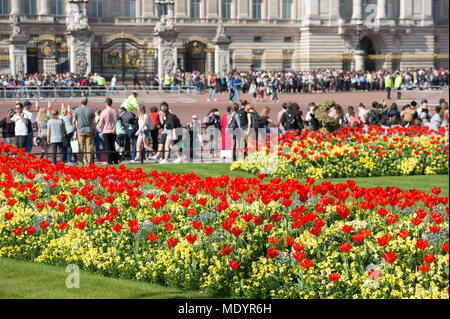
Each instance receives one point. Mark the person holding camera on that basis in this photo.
(8, 128)
(22, 126)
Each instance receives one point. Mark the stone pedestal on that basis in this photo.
(49, 65)
(80, 44)
(359, 60)
(221, 51)
(18, 55)
(167, 52)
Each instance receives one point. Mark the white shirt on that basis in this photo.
(20, 128)
(29, 116)
(113, 81)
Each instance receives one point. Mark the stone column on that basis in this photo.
(148, 8)
(273, 10)
(18, 55)
(357, 10)
(334, 10)
(80, 44)
(381, 9)
(359, 60)
(16, 7)
(212, 9)
(167, 53)
(427, 13)
(139, 9)
(402, 14)
(180, 9)
(44, 7)
(243, 9)
(311, 13)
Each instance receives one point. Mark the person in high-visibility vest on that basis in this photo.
(388, 84)
(101, 82)
(397, 84)
(131, 103)
(167, 81)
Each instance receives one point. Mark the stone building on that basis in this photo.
(118, 36)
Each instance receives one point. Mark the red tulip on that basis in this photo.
(31, 230)
(191, 212)
(191, 238)
(80, 225)
(345, 247)
(347, 229)
(445, 247)
(290, 241)
(226, 250)
(299, 255)
(197, 224)
(272, 253)
(234, 264)
(8, 216)
(117, 227)
(390, 257)
(306, 263)
(257, 220)
(273, 241)
(236, 231)
(202, 201)
(172, 242)
(208, 230)
(62, 226)
(298, 247)
(357, 238)
(334, 277)
(422, 244)
(268, 227)
(44, 224)
(18, 231)
(261, 175)
(424, 268)
(168, 227)
(374, 274)
(403, 234)
(152, 237)
(429, 258)
(166, 218)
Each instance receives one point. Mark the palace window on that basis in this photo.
(195, 9)
(226, 9)
(130, 8)
(97, 8)
(390, 9)
(343, 9)
(30, 7)
(58, 7)
(435, 10)
(257, 9)
(4, 6)
(287, 9)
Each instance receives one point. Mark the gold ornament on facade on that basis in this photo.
(123, 35)
(112, 59)
(133, 58)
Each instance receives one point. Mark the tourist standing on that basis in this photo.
(8, 128)
(68, 119)
(98, 140)
(108, 122)
(143, 133)
(29, 115)
(22, 126)
(55, 135)
(84, 125)
(212, 84)
(42, 120)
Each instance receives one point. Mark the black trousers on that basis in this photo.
(21, 141)
(110, 146)
(388, 93)
(154, 136)
(62, 152)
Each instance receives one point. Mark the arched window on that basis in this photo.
(287, 9)
(4, 6)
(257, 9)
(390, 9)
(195, 9)
(29, 7)
(226, 9)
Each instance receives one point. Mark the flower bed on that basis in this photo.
(353, 153)
(248, 238)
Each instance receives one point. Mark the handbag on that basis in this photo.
(74, 144)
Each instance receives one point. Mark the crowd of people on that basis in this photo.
(131, 133)
(263, 85)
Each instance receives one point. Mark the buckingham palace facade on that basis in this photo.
(272, 35)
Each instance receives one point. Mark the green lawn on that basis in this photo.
(26, 280)
(422, 182)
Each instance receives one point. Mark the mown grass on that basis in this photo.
(27, 280)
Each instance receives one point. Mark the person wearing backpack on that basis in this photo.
(291, 120)
(22, 126)
(212, 124)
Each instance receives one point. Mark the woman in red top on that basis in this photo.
(154, 117)
(226, 138)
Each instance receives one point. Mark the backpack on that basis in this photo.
(176, 121)
(29, 126)
(232, 123)
(291, 121)
(243, 117)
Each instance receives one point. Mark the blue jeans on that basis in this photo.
(29, 144)
(212, 93)
(236, 95)
(130, 138)
(69, 149)
(98, 141)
